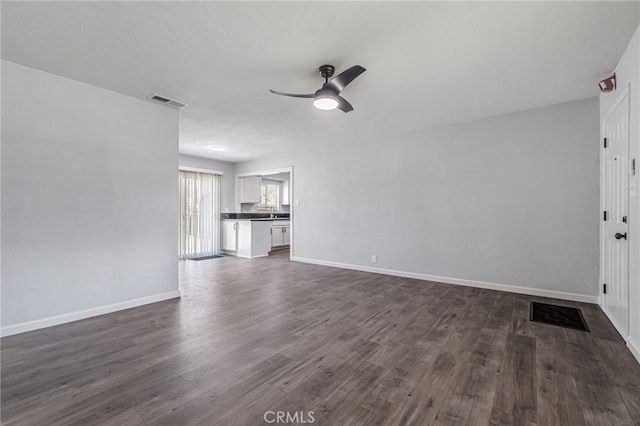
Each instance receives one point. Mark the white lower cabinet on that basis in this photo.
(280, 234)
(246, 238)
(229, 235)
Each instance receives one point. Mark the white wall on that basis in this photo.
(227, 181)
(628, 73)
(89, 212)
(510, 200)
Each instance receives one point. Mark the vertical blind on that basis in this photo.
(199, 219)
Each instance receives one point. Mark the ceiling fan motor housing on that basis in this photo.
(326, 71)
(327, 92)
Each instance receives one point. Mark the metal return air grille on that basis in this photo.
(166, 101)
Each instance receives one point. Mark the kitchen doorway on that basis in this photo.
(265, 195)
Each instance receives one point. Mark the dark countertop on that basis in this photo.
(255, 216)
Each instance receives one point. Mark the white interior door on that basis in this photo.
(616, 206)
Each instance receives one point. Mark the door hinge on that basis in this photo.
(624, 219)
(605, 215)
(605, 143)
(604, 289)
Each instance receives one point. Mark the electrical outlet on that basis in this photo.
(374, 258)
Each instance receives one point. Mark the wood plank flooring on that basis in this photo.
(257, 335)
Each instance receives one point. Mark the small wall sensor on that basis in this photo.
(608, 84)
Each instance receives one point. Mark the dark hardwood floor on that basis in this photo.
(251, 336)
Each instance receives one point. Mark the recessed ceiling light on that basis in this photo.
(218, 148)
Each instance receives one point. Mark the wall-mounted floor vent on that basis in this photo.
(166, 101)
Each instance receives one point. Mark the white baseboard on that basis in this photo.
(87, 313)
(458, 281)
(621, 330)
(634, 348)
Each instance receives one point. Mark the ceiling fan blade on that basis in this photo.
(344, 105)
(275, 92)
(341, 81)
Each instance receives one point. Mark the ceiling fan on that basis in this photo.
(328, 96)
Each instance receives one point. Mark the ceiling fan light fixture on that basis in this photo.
(328, 97)
(217, 148)
(325, 103)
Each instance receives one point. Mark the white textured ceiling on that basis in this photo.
(428, 63)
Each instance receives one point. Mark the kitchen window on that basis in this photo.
(269, 196)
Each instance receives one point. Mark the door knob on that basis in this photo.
(620, 236)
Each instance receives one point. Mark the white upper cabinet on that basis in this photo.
(285, 193)
(249, 189)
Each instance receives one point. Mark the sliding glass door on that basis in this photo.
(199, 220)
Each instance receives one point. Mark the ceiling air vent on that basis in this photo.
(166, 101)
